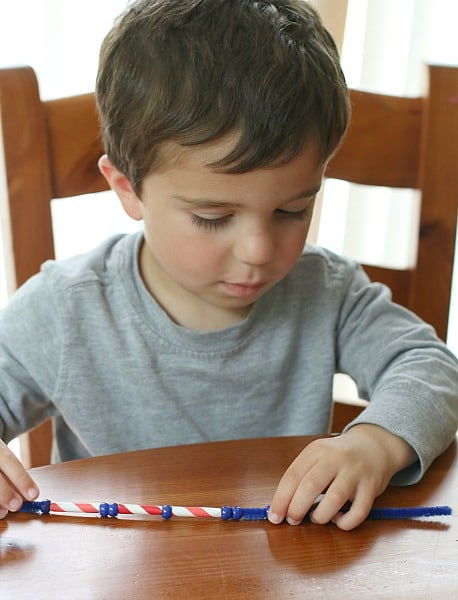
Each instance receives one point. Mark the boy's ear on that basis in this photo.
(119, 183)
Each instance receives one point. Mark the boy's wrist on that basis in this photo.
(400, 454)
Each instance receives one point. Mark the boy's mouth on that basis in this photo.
(242, 289)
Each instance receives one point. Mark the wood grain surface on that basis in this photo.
(130, 557)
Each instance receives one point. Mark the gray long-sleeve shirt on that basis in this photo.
(85, 342)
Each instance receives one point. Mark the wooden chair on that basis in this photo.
(51, 150)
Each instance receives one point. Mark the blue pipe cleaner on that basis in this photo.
(409, 512)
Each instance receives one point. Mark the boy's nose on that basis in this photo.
(255, 247)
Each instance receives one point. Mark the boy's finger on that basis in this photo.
(281, 500)
(287, 487)
(358, 511)
(3, 513)
(14, 471)
(9, 498)
(311, 486)
(333, 500)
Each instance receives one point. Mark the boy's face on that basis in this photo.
(215, 242)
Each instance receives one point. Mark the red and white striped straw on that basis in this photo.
(137, 509)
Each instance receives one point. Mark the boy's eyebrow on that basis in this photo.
(199, 202)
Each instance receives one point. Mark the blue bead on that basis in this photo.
(103, 509)
(113, 510)
(226, 513)
(236, 513)
(166, 511)
(36, 506)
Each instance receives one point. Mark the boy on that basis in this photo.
(218, 119)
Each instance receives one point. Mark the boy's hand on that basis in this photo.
(16, 485)
(356, 466)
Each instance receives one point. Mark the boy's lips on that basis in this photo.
(242, 289)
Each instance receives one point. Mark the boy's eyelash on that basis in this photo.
(298, 215)
(218, 222)
(210, 224)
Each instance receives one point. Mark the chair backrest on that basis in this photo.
(51, 150)
(412, 143)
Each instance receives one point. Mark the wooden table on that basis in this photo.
(59, 556)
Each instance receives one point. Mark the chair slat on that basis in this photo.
(430, 293)
(382, 144)
(74, 146)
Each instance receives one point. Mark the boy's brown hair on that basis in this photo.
(189, 71)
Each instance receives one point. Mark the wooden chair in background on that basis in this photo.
(51, 150)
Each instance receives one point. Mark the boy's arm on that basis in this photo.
(411, 380)
(30, 357)
(30, 351)
(403, 369)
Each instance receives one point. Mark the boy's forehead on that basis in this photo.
(186, 175)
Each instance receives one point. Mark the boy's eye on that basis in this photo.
(213, 223)
(210, 223)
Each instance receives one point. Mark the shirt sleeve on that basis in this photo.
(399, 364)
(30, 350)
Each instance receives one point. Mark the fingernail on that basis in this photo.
(274, 518)
(14, 504)
(3, 513)
(292, 521)
(32, 493)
